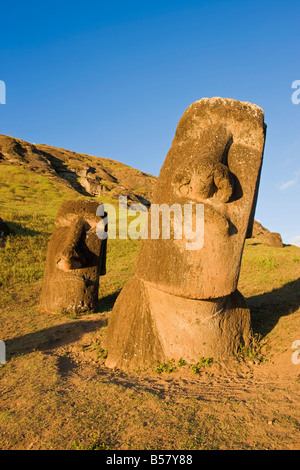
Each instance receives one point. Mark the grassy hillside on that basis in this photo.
(56, 393)
(87, 175)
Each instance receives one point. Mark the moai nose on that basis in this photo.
(208, 180)
(70, 256)
(223, 182)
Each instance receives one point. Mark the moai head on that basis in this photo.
(215, 160)
(76, 257)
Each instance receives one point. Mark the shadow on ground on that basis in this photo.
(266, 309)
(51, 338)
(106, 303)
(17, 229)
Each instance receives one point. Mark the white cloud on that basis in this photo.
(288, 184)
(292, 182)
(296, 240)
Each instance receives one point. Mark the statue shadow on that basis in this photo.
(105, 304)
(17, 229)
(48, 339)
(266, 309)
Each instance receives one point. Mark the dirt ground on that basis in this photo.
(56, 393)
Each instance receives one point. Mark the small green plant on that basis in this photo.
(181, 362)
(252, 352)
(168, 367)
(102, 353)
(94, 446)
(203, 362)
(266, 262)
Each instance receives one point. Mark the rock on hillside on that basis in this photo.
(265, 237)
(89, 175)
(94, 176)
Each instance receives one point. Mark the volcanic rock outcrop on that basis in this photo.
(183, 300)
(265, 237)
(87, 175)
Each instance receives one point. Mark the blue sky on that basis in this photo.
(113, 78)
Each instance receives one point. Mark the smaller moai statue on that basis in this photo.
(76, 258)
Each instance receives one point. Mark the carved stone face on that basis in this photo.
(75, 260)
(215, 160)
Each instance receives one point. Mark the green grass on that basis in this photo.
(24, 192)
(254, 352)
(264, 267)
(29, 203)
(94, 446)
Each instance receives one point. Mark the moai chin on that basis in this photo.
(184, 303)
(76, 258)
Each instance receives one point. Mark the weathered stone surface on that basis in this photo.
(185, 303)
(148, 325)
(76, 258)
(93, 185)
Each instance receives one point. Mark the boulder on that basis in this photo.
(93, 185)
(265, 237)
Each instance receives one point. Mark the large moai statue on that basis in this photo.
(76, 258)
(182, 302)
